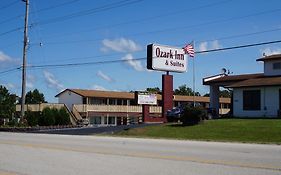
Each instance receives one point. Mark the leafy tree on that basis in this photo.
(63, 117)
(32, 118)
(185, 90)
(154, 90)
(34, 97)
(7, 103)
(223, 93)
(47, 117)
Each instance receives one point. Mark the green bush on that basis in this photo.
(64, 117)
(192, 115)
(32, 118)
(47, 118)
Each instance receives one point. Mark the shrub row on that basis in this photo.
(48, 117)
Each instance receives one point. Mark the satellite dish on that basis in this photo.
(223, 70)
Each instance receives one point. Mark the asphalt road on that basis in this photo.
(28, 154)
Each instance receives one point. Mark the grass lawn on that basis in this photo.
(231, 130)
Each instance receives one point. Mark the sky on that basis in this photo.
(85, 35)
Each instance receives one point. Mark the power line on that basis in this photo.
(82, 64)
(11, 31)
(8, 5)
(40, 10)
(77, 14)
(10, 70)
(239, 47)
(122, 60)
(88, 12)
(136, 59)
(185, 27)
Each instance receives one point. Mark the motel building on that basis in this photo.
(121, 108)
(254, 95)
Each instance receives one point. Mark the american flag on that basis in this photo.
(188, 49)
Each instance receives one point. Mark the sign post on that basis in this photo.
(168, 59)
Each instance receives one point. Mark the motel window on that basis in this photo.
(277, 65)
(225, 106)
(119, 101)
(133, 102)
(125, 102)
(251, 100)
(112, 101)
(111, 120)
(95, 120)
(98, 101)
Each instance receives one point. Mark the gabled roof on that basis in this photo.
(255, 82)
(97, 93)
(270, 57)
(231, 79)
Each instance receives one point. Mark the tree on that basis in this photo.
(185, 90)
(34, 97)
(223, 93)
(154, 90)
(7, 103)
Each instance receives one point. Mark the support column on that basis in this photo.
(167, 95)
(145, 113)
(214, 99)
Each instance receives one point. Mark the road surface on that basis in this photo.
(34, 154)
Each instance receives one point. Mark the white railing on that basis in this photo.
(123, 108)
(108, 108)
(155, 109)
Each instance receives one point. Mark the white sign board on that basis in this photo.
(147, 99)
(166, 58)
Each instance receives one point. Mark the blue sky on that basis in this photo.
(81, 31)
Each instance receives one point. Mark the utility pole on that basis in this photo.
(25, 45)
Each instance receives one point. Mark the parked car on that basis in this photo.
(175, 113)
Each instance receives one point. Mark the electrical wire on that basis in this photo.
(40, 10)
(181, 28)
(136, 59)
(87, 12)
(239, 47)
(143, 58)
(8, 5)
(9, 71)
(77, 14)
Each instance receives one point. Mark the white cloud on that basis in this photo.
(120, 45)
(9, 86)
(30, 81)
(132, 62)
(98, 87)
(104, 76)
(52, 82)
(203, 46)
(4, 57)
(6, 60)
(270, 51)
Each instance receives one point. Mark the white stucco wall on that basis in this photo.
(268, 68)
(269, 102)
(69, 98)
